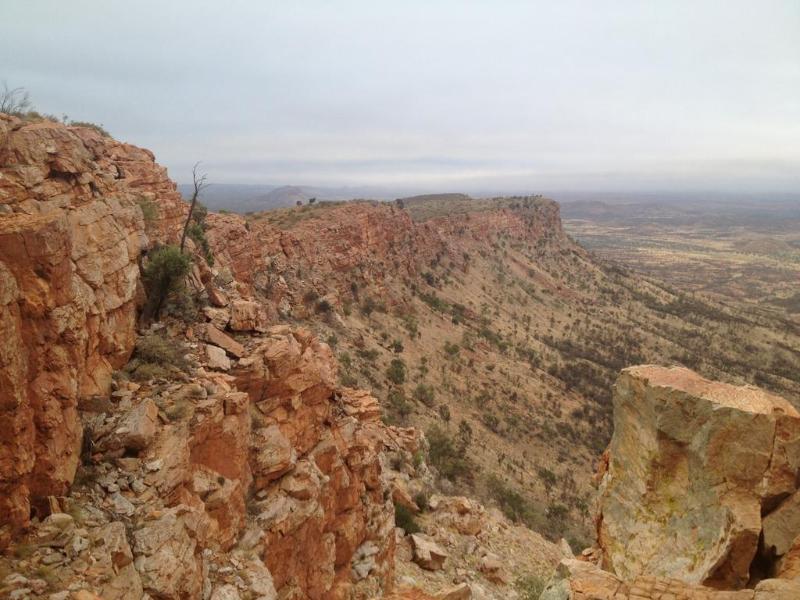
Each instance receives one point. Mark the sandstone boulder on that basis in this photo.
(166, 556)
(427, 553)
(458, 592)
(247, 315)
(138, 427)
(579, 580)
(216, 358)
(214, 336)
(692, 464)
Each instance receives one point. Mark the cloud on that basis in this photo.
(444, 93)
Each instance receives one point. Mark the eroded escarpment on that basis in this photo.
(365, 245)
(71, 233)
(698, 494)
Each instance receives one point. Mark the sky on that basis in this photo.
(436, 95)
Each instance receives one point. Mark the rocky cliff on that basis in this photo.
(71, 232)
(243, 468)
(698, 493)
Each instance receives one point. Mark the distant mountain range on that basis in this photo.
(243, 198)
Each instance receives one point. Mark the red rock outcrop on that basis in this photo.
(71, 232)
(322, 506)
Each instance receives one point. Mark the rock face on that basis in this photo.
(71, 232)
(696, 472)
(324, 510)
(355, 246)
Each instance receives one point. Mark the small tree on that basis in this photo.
(162, 275)
(199, 183)
(396, 372)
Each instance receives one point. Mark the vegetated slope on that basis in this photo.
(484, 324)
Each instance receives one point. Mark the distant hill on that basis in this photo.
(244, 198)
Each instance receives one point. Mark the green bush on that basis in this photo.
(197, 233)
(155, 355)
(98, 128)
(163, 275)
(404, 519)
(368, 306)
(348, 380)
(396, 372)
(447, 456)
(511, 502)
(398, 403)
(425, 394)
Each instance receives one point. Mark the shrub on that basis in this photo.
(163, 275)
(399, 404)
(98, 128)
(368, 306)
(511, 502)
(155, 356)
(149, 210)
(451, 350)
(425, 394)
(323, 306)
(197, 233)
(348, 380)
(530, 587)
(465, 433)
(491, 421)
(15, 101)
(404, 519)
(396, 372)
(447, 456)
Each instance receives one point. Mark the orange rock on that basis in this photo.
(69, 247)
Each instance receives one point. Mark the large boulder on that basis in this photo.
(578, 580)
(692, 467)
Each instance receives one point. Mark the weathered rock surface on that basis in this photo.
(578, 580)
(427, 553)
(692, 466)
(323, 507)
(70, 236)
(222, 492)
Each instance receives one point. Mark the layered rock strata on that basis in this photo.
(71, 233)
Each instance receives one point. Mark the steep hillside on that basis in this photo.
(484, 324)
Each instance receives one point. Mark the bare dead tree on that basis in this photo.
(14, 101)
(199, 181)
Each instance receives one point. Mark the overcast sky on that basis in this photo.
(457, 95)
